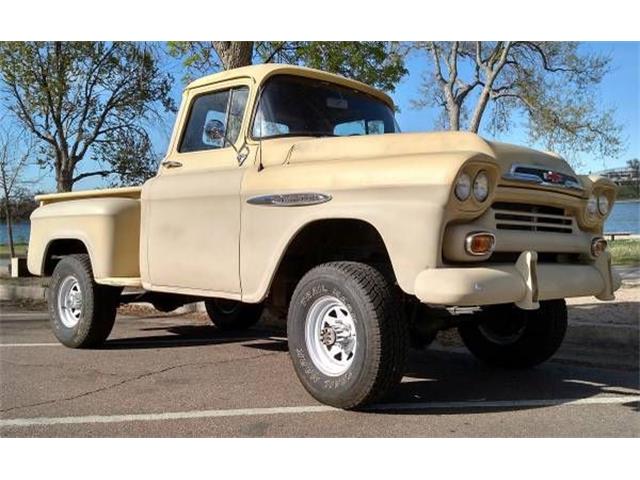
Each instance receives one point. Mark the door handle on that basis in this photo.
(171, 164)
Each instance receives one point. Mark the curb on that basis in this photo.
(22, 292)
(602, 335)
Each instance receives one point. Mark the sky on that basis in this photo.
(620, 89)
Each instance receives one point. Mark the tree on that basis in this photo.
(16, 151)
(551, 84)
(377, 63)
(87, 100)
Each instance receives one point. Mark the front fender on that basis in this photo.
(405, 199)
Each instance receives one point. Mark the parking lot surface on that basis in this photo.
(177, 375)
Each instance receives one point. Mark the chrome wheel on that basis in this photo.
(70, 302)
(330, 336)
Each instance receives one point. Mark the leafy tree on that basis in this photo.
(551, 84)
(376, 63)
(87, 100)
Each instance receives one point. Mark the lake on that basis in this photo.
(625, 217)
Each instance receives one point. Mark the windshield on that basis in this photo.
(298, 106)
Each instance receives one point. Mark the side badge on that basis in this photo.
(290, 199)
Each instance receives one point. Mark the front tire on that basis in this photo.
(509, 337)
(81, 312)
(231, 315)
(347, 341)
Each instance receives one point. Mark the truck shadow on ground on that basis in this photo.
(196, 335)
(444, 377)
(432, 376)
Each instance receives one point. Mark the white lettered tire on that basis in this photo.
(347, 341)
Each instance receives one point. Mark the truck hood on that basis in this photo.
(428, 145)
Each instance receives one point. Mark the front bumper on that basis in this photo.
(524, 283)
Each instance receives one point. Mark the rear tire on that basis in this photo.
(347, 341)
(81, 312)
(232, 315)
(509, 337)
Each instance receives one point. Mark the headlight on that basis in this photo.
(463, 187)
(481, 186)
(592, 206)
(603, 204)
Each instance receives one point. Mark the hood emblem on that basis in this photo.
(553, 177)
(542, 176)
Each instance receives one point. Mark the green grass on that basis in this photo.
(21, 249)
(625, 251)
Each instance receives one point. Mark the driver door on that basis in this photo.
(192, 208)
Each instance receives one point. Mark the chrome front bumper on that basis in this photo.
(524, 283)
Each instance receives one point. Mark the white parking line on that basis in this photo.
(169, 341)
(244, 412)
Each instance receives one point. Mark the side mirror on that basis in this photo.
(214, 130)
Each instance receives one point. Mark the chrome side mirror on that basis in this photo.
(214, 130)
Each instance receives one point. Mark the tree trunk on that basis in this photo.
(481, 106)
(9, 220)
(454, 116)
(234, 54)
(64, 181)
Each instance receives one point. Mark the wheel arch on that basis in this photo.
(322, 240)
(56, 248)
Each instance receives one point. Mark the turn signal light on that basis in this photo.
(598, 246)
(480, 243)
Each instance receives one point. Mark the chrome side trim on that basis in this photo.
(290, 199)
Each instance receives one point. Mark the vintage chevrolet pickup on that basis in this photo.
(293, 189)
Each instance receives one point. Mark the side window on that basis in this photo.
(236, 110)
(226, 107)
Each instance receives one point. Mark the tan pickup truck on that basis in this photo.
(293, 189)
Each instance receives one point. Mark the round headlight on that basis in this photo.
(603, 204)
(463, 187)
(481, 186)
(592, 206)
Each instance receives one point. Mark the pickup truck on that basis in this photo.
(293, 189)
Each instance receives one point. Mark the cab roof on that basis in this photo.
(261, 72)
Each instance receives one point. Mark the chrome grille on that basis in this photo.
(532, 218)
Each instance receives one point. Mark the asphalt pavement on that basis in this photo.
(177, 375)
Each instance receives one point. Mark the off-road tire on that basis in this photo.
(99, 304)
(540, 337)
(381, 334)
(231, 315)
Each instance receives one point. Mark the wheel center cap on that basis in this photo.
(328, 336)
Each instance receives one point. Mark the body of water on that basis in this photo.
(625, 217)
(20, 233)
